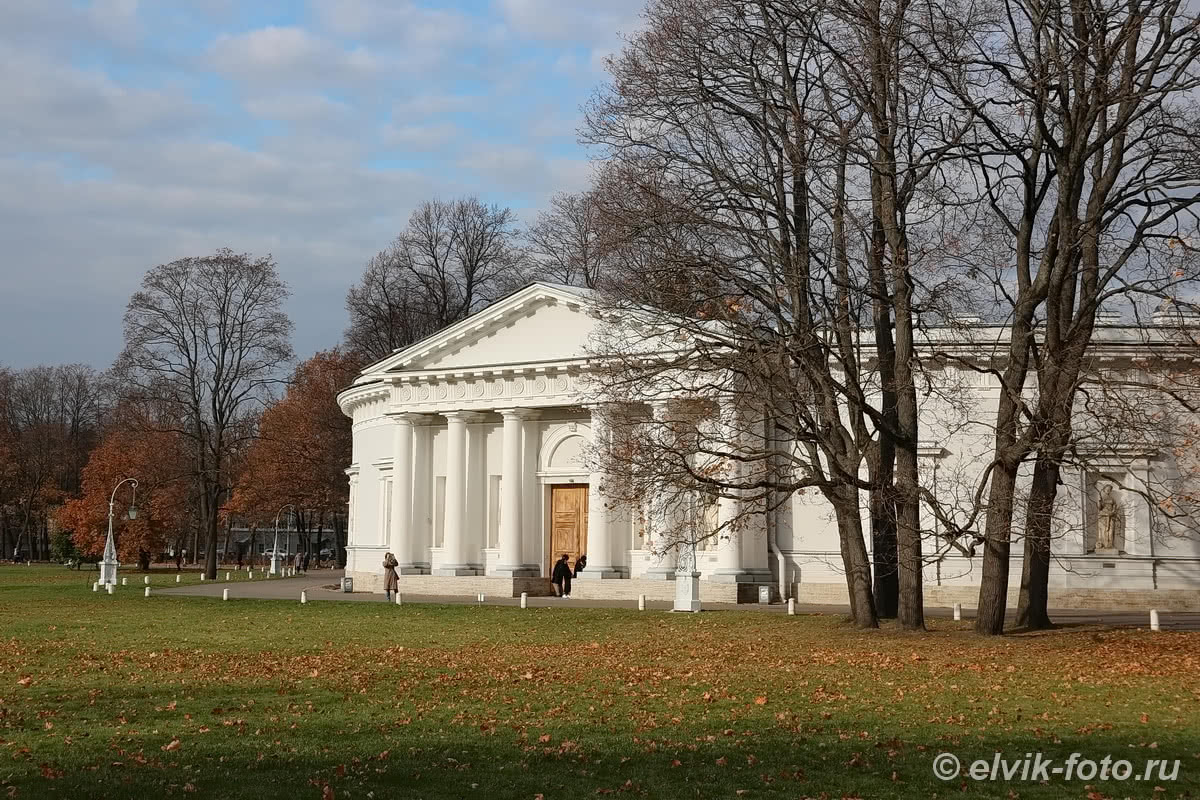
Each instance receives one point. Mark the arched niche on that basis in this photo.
(565, 451)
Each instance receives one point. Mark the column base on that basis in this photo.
(456, 571)
(687, 592)
(660, 574)
(413, 569)
(591, 573)
(523, 571)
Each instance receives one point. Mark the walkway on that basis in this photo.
(323, 585)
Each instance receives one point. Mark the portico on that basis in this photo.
(472, 461)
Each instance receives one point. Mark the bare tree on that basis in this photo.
(206, 339)
(567, 242)
(50, 420)
(453, 258)
(386, 307)
(1086, 142)
(764, 162)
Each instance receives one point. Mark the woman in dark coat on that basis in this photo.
(391, 581)
(580, 563)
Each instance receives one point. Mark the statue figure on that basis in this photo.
(1108, 516)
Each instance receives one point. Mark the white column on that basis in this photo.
(455, 558)
(421, 534)
(662, 520)
(729, 509)
(600, 559)
(512, 495)
(402, 493)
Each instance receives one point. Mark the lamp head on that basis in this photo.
(133, 512)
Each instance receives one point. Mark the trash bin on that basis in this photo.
(347, 584)
(764, 594)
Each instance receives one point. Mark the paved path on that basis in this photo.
(322, 585)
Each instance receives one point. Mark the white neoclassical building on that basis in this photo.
(470, 465)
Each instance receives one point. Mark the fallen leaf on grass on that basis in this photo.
(174, 744)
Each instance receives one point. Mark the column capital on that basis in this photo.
(465, 416)
(518, 413)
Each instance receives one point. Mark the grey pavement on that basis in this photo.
(323, 585)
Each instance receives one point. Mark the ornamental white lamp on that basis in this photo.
(108, 565)
(275, 547)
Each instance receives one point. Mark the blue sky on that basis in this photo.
(133, 133)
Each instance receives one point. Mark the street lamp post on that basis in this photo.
(108, 565)
(275, 547)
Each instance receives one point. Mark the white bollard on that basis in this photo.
(112, 587)
(177, 577)
(124, 581)
(481, 597)
(524, 600)
(96, 586)
(146, 580)
(202, 577)
(641, 602)
(147, 591)
(225, 594)
(399, 599)
(1154, 623)
(226, 576)
(791, 606)
(303, 597)
(958, 611)
(250, 575)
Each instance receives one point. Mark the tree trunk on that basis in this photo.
(855, 559)
(993, 584)
(911, 608)
(210, 500)
(883, 548)
(1032, 605)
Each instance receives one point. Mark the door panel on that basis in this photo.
(568, 522)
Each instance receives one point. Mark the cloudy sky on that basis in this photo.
(133, 133)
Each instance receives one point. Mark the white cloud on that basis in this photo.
(421, 137)
(291, 56)
(118, 19)
(86, 112)
(313, 109)
(577, 21)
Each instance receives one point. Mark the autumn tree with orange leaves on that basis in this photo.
(159, 463)
(302, 450)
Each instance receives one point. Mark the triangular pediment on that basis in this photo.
(540, 323)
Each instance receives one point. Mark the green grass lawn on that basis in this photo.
(123, 696)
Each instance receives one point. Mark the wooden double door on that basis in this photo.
(568, 523)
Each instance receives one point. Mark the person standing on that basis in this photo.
(298, 561)
(561, 577)
(391, 581)
(305, 562)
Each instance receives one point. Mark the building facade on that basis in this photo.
(471, 465)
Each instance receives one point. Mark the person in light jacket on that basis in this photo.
(391, 581)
